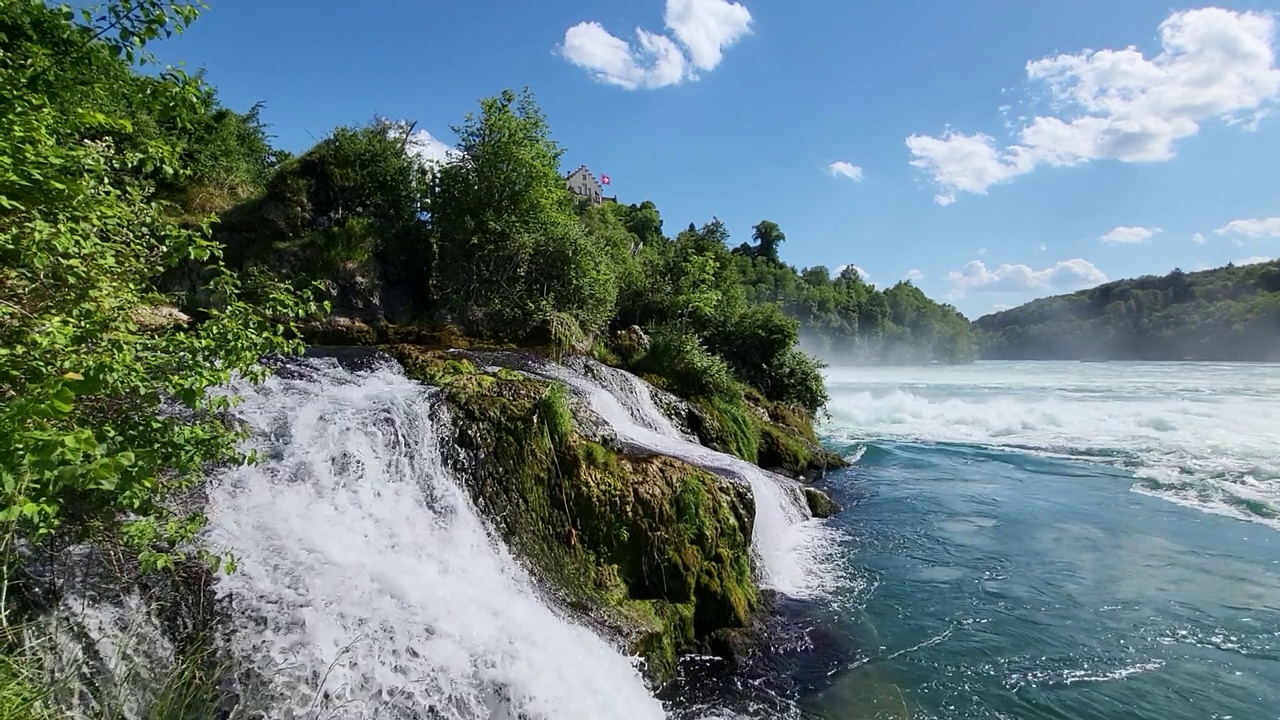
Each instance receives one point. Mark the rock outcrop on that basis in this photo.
(649, 547)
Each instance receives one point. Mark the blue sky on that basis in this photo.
(994, 150)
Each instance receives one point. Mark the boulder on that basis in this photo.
(820, 503)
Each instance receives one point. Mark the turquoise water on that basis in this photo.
(1044, 540)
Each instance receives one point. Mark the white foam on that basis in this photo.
(1199, 434)
(796, 552)
(368, 587)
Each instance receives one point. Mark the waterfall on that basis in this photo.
(792, 547)
(368, 587)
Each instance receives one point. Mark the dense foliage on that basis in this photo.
(106, 409)
(492, 241)
(845, 320)
(1231, 313)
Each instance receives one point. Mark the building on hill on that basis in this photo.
(583, 184)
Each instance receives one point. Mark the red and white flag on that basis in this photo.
(604, 180)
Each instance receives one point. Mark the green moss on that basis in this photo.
(442, 369)
(779, 449)
(728, 426)
(776, 436)
(554, 410)
(820, 504)
(650, 543)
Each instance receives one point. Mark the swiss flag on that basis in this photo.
(604, 180)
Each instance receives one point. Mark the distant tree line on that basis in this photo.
(1230, 313)
(845, 320)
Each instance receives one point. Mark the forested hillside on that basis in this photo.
(846, 321)
(1230, 313)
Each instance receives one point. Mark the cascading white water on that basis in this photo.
(368, 587)
(793, 548)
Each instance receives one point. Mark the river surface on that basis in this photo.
(1045, 540)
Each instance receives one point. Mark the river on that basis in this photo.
(1046, 540)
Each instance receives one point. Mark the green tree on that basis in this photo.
(768, 237)
(108, 409)
(1229, 313)
(509, 248)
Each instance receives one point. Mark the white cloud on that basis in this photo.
(1254, 260)
(610, 60)
(706, 28)
(419, 143)
(1071, 274)
(1251, 229)
(913, 275)
(841, 168)
(1197, 239)
(1124, 235)
(982, 251)
(1214, 64)
(866, 277)
(428, 148)
(1043, 247)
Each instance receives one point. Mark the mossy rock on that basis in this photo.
(774, 436)
(436, 336)
(784, 449)
(655, 548)
(727, 426)
(339, 331)
(820, 504)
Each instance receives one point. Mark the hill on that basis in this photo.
(1229, 313)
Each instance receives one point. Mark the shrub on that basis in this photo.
(795, 377)
(510, 250)
(753, 339)
(105, 418)
(688, 368)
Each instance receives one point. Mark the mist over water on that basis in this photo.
(1065, 541)
(1203, 434)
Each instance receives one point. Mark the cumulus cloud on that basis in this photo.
(1198, 239)
(866, 277)
(841, 168)
(1253, 260)
(1074, 274)
(1043, 247)
(913, 275)
(705, 29)
(1250, 229)
(1214, 64)
(655, 63)
(429, 148)
(1124, 235)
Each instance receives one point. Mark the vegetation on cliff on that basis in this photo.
(639, 541)
(1230, 313)
(107, 415)
(105, 409)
